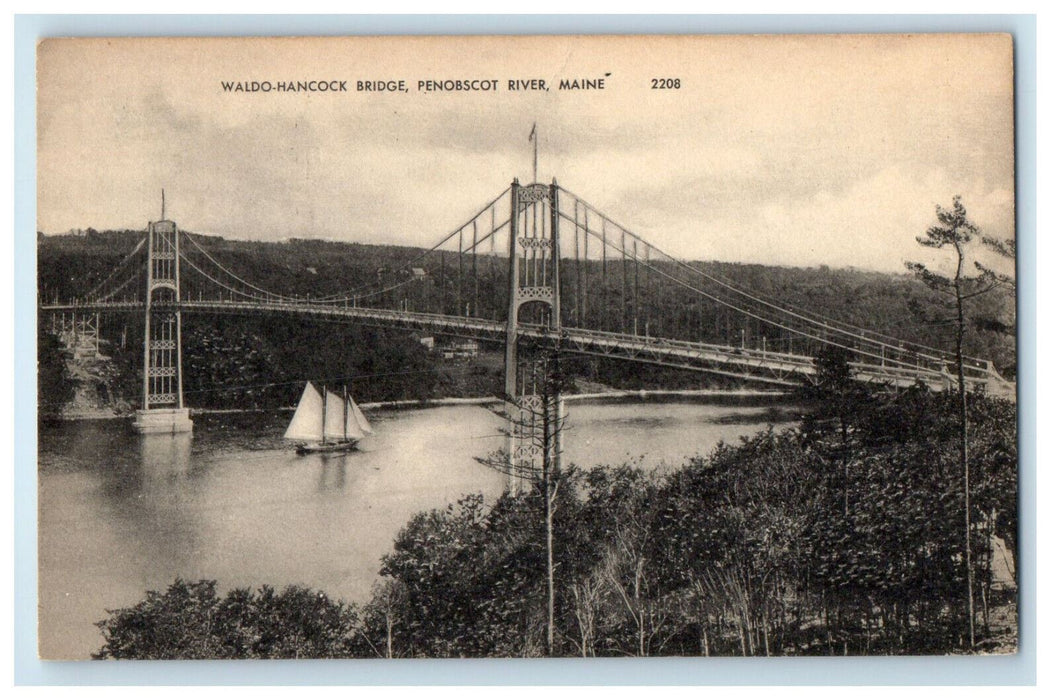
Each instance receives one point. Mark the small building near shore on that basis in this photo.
(459, 349)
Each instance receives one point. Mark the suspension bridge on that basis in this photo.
(537, 265)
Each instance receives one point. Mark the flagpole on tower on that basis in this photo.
(533, 138)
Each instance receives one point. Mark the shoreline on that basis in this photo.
(461, 401)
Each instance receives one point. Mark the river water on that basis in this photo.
(121, 513)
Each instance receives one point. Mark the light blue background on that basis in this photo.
(1016, 669)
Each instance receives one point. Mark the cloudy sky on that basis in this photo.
(792, 150)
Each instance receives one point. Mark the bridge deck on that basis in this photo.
(759, 365)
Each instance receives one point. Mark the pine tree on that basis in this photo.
(955, 231)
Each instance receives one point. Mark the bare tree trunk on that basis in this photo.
(584, 596)
(639, 616)
(552, 465)
(550, 576)
(767, 639)
(389, 635)
(867, 624)
(703, 617)
(826, 623)
(845, 462)
(986, 585)
(964, 449)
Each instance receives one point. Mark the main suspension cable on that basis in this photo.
(826, 323)
(117, 268)
(805, 315)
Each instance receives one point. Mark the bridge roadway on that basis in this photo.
(744, 363)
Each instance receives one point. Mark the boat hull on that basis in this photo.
(326, 448)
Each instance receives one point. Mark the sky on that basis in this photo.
(796, 150)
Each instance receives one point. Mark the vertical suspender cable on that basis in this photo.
(459, 291)
(474, 266)
(586, 273)
(635, 303)
(576, 262)
(605, 288)
(624, 284)
(492, 256)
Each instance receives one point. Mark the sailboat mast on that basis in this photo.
(323, 425)
(345, 412)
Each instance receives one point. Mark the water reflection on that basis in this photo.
(153, 496)
(122, 513)
(164, 459)
(332, 472)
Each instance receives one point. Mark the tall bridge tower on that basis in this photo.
(163, 382)
(534, 295)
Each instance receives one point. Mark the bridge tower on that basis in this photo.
(163, 389)
(534, 284)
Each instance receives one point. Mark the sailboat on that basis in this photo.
(326, 422)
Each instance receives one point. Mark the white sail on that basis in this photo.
(334, 424)
(358, 417)
(352, 428)
(307, 423)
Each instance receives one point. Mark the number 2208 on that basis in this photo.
(664, 83)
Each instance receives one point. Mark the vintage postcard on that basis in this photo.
(564, 346)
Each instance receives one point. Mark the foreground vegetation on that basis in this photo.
(842, 536)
